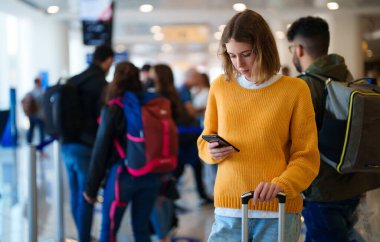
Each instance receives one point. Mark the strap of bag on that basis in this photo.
(117, 101)
(322, 79)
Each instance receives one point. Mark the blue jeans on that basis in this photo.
(121, 188)
(162, 216)
(259, 229)
(330, 221)
(77, 159)
(33, 122)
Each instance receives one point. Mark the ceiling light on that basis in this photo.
(239, 7)
(332, 5)
(221, 27)
(155, 29)
(52, 9)
(146, 8)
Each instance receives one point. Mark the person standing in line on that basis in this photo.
(122, 189)
(144, 77)
(270, 118)
(36, 115)
(188, 153)
(164, 219)
(332, 199)
(199, 95)
(76, 152)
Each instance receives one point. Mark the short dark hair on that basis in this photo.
(102, 52)
(145, 67)
(313, 33)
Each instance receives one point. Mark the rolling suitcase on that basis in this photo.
(245, 197)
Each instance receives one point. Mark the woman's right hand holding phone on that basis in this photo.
(219, 152)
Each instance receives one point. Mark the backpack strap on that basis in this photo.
(325, 80)
(321, 78)
(118, 101)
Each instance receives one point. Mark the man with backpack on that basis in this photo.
(32, 106)
(332, 199)
(76, 150)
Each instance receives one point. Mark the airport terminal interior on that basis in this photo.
(54, 40)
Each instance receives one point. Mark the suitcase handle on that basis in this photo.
(245, 197)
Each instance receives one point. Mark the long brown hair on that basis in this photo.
(126, 78)
(164, 85)
(250, 27)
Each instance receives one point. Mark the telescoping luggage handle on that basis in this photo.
(245, 197)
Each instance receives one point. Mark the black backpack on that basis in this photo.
(349, 136)
(63, 109)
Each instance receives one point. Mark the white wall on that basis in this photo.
(33, 43)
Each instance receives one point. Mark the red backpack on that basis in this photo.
(152, 136)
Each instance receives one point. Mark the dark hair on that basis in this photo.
(205, 80)
(101, 53)
(37, 80)
(312, 33)
(164, 85)
(126, 78)
(249, 27)
(145, 67)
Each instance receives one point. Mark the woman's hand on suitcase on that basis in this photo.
(219, 152)
(266, 192)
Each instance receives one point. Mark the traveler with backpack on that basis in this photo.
(163, 82)
(332, 199)
(32, 106)
(123, 146)
(76, 149)
(270, 119)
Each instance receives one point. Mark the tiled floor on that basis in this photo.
(196, 223)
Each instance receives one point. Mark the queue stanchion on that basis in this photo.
(32, 194)
(58, 196)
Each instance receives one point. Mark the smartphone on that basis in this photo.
(216, 138)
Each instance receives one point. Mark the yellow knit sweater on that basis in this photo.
(274, 128)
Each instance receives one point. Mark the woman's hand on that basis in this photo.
(219, 153)
(90, 200)
(266, 192)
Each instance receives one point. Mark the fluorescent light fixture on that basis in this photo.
(146, 8)
(239, 7)
(332, 5)
(52, 9)
(155, 29)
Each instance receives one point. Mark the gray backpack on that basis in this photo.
(349, 138)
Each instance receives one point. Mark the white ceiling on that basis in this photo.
(132, 28)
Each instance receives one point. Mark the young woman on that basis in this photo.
(121, 188)
(270, 118)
